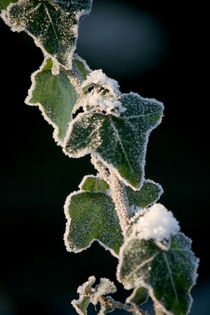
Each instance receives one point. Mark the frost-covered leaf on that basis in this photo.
(83, 302)
(91, 216)
(119, 141)
(53, 24)
(138, 296)
(55, 95)
(94, 184)
(4, 3)
(167, 274)
(149, 193)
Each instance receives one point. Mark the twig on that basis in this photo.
(121, 306)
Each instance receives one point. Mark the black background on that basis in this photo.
(168, 62)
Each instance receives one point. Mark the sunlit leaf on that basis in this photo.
(119, 141)
(167, 274)
(55, 95)
(92, 216)
(149, 193)
(53, 24)
(94, 183)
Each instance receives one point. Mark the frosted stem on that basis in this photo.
(158, 310)
(118, 305)
(100, 168)
(117, 192)
(121, 203)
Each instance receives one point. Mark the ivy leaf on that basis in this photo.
(95, 213)
(55, 95)
(53, 24)
(149, 193)
(4, 3)
(88, 294)
(167, 274)
(94, 184)
(119, 141)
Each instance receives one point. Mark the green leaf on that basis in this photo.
(4, 3)
(149, 193)
(139, 296)
(55, 95)
(53, 24)
(94, 184)
(167, 274)
(91, 216)
(119, 141)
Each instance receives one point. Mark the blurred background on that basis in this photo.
(155, 49)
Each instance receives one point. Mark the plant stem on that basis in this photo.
(118, 305)
(121, 203)
(158, 310)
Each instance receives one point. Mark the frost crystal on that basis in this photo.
(105, 104)
(105, 287)
(101, 94)
(157, 223)
(97, 77)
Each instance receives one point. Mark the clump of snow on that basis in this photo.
(156, 223)
(98, 77)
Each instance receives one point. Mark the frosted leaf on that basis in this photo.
(55, 95)
(149, 193)
(83, 302)
(88, 294)
(52, 24)
(103, 288)
(120, 142)
(167, 274)
(139, 296)
(4, 3)
(91, 216)
(94, 184)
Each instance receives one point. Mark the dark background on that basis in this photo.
(154, 49)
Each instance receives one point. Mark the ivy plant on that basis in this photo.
(117, 206)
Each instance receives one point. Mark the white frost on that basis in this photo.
(109, 105)
(98, 77)
(103, 288)
(156, 223)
